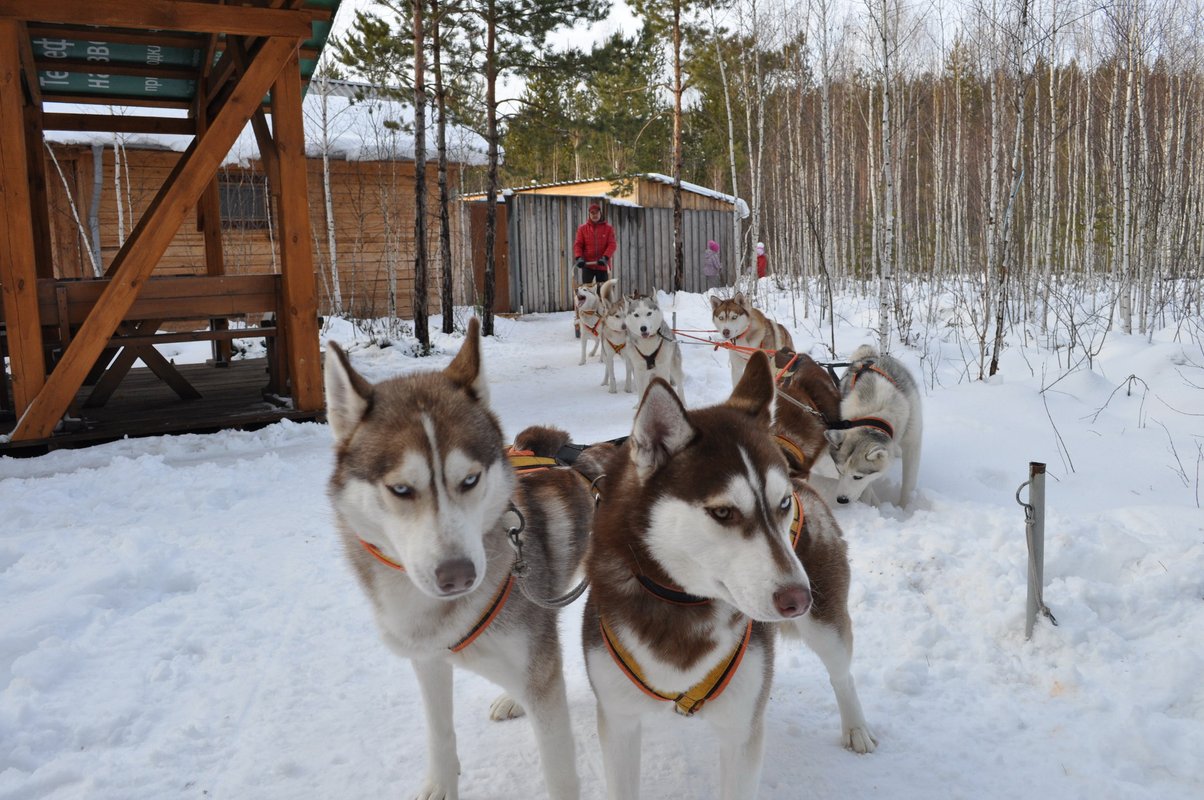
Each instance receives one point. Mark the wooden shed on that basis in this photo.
(71, 340)
(537, 226)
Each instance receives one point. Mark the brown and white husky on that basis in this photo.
(808, 405)
(422, 492)
(739, 323)
(702, 550)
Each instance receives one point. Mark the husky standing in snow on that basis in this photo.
(614, 337)
(653, 350)
(881, 421)
(739, 323)
(423, 492)
(702, 550)
(589, 315)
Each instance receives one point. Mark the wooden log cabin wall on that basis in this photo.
(372, 203)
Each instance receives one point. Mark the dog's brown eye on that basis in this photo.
(402, 491)
(858, 477)
(471, 481)
(722, 513)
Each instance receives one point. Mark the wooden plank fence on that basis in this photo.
(541, 229)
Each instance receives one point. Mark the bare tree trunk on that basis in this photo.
(886, 252)
(678, 255)
(737, 240)
(336, 289)
(491, 184)
(1020, 40)
(445, 249)
(421, 320)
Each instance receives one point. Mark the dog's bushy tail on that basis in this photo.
(546, 441)
(867, 352)
(542, 440)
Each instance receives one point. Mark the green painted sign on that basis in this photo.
(105, 86)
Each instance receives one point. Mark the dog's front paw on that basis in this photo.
(860, 740)
(504, 708)
(431, 790)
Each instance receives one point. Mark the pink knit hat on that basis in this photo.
(713, 245)
(760, 248)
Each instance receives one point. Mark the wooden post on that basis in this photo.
(209, 218)
(299, 314)
(38, 197)
(151, 237)
(18, 253)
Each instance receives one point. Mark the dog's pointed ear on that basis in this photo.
(715, 301)
(834, 437)
(876, 455)
(754, 394)
(739, 299)
(348, 394)
(465, 369)
(661, 430)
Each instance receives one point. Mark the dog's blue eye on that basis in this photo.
(401, 490)
(471, 481)
(785, 504)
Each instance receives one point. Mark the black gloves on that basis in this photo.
(603, 261)
(579, 263)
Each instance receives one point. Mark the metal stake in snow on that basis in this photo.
(1034, 521)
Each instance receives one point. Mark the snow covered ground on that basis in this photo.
(177, 620)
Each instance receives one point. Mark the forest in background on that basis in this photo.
(1040, 159)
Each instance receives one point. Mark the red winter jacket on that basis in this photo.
(594, 240)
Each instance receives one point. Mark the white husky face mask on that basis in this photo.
(861, 456)
(726, 536)
(420, 473)
(643, 317)
(730, 317)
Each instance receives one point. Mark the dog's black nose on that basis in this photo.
(643, 329)
(792, 601)
(842, 500)
(455, 576)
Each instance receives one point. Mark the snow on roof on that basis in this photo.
(372, 129)
(740, 205)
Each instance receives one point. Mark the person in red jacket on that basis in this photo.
(594, 247)
(762, 261)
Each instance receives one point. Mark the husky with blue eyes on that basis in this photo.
(703, 550)
(423, 493)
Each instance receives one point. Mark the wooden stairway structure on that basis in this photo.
(227, 65)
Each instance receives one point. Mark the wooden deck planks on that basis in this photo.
(231, 397)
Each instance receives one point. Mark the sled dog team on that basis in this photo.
(698, 536)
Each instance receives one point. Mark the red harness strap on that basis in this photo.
(495, 608)
(593, 329)
(870, 368)
(618, 348)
